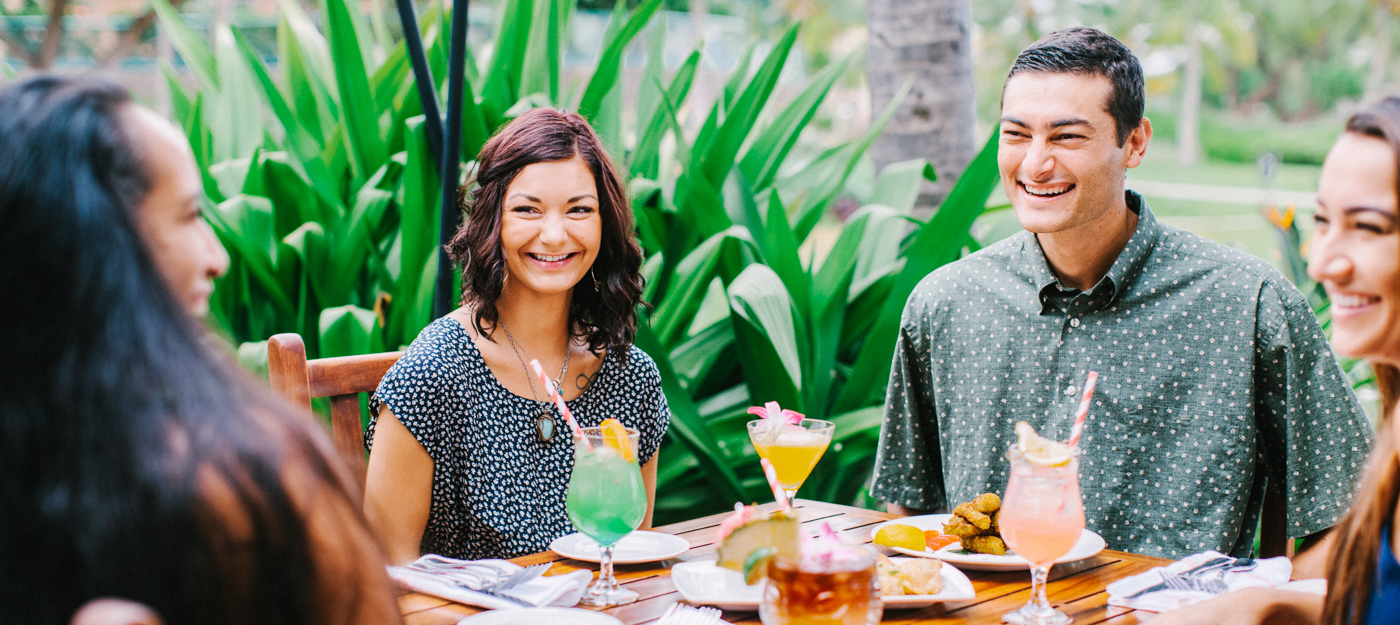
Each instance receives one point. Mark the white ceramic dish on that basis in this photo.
(1089, 545)
(635, 548)
(703, 583)
(535, 616)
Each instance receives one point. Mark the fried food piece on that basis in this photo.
(966, 511)
(985, 544)
(891, 580)
(987, 503)
(922, 577)
(996, 522)
(960, 527)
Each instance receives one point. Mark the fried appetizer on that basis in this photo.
(987, 503)
(973, 516)
(992, 545)
(960, 527)
(909, 577)
(922, 577)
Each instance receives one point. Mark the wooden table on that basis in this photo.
(1076, 589)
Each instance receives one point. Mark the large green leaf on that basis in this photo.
(609, 63)
(766, 336)
(367, 147)
(419, 229)
(350, 330)
(774, 144)
(938, 243)
(191, 47)
(686, 424)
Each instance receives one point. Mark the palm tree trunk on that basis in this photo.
(1188, 128)
(930, 42)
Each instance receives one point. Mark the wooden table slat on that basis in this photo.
(1076, 588)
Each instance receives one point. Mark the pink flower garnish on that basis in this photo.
(742, 514)
(826, 546)
(775, 414)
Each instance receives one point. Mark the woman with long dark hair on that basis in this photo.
(468, 457)
(134, 462)
(1355, 254)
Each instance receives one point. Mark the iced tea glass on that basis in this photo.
(818, 591)
(1042, 516)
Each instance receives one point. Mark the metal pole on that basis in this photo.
(451, 155)
(423, 75)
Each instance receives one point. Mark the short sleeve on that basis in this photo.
(422, 391)
(908, 462)
(651, 429)
(1314, 435)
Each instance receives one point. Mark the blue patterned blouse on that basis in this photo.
(498, 491)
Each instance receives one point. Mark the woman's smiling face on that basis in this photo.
(550, 226)
(1355, 253)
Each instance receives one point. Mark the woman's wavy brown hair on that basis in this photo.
(605, 316)
(1351, 567)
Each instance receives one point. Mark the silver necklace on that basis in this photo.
(544, 423)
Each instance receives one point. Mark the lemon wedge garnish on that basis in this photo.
(1039, 450)
(903, 536)
(615, 437)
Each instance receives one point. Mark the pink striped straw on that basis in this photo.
(778, 493)
(559, 403)
(1078, 427)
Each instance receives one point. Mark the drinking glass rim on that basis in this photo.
(597, 431)
(822, 424)
(865, 558)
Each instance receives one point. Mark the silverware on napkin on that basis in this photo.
(1173, 581)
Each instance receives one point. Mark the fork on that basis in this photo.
(526, 574)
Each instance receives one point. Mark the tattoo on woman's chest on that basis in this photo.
(583, 381)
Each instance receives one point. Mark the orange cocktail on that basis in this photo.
(794, 449)
(1042, 516)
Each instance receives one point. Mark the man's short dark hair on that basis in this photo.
(1092, 52)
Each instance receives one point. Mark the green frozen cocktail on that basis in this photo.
(606, 501)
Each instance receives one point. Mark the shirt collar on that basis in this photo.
(1124, 268)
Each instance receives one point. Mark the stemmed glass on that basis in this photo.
(793, 449)
(606, 501)
(1042, 516)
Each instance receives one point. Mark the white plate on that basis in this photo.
(1089, 545)
(703, 583)
(635, 548)
(535, 616)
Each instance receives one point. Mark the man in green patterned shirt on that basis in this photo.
(1214, 375)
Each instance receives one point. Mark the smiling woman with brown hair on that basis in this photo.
(1355, 254)
(468, 458)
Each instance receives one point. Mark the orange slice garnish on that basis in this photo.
(615, 436)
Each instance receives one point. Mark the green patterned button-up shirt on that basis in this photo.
(1213, 378)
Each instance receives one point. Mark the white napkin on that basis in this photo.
(1272, 572)
(559, 590)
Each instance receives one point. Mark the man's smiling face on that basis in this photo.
(1059, 154)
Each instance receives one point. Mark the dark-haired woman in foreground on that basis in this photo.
(134, 463)
(468, 457)
(1355, 254)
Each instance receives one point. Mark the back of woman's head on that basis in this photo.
(1351, 567)
(606, 316)
(114, 418)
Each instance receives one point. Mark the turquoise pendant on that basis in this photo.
(544, 426)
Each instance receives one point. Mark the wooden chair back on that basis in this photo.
(341, 379)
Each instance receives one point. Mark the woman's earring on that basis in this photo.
(595, 279)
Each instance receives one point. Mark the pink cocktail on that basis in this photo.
(1042, 516)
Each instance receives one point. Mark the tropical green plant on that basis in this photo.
(326, 202)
